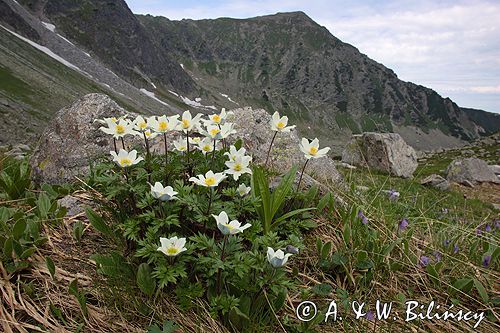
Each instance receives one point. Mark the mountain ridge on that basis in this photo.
(283, 62)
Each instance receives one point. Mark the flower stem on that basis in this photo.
(269, 150)
(148, 157)
(209, 205)
(213, 156)
(301, 174)
(222, 259)
(123, 142)
(114, 144)
(187, 153)
(166, 156)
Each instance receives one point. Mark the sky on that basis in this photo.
(451, 46)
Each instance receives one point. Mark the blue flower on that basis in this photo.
(393, 195)
(363, 218)
(455, 249)
(488, 228)
(486, 260)
(437, 255)
(403, 224)
(446, 242)
(424, 261)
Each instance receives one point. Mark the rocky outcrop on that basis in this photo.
(470, 170)
(253, 126)
(436, 181)
(387, 152)
(72, 140)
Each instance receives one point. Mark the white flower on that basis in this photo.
(149, 134)
(105, 121)
(210, 179)
(229, 228)
(141, 124)
(311, 150)
(278, 258)
(206, 146)
(217, 119)
(126, 159)
(238, 167)
(180, 144)
(118, 128)
(279, 124)
(172, 246)
(195, 140)
(226, 130)
(187, 122)
(243, 189)
(212, 132)
(164, 124)
(233, 153)
(162, 193)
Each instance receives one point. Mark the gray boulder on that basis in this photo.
(382, 151)
(72, 140)
(495, 168)
(436, 181)
(253, 128)
(473, 170)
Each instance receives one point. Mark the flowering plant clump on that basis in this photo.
(184, 200)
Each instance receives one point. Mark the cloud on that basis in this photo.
(486, 89)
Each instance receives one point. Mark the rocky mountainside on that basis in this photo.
(284, 62)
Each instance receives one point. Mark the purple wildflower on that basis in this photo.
(363, 218)
(403, 224)
(497, 224)
(455, 249)
(437, 255)
(424, 261)
(393, 195)
(369, 315)
(479, 231)
(488, 228)
(446, 242)
(486, 260)
(444, 210)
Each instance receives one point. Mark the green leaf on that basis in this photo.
(97, 222)
(322, 289)
(326, 249)
(27, 253)
(43, 205)
(145, 279)
(113, 265)
(78, 230)
(464, 284)
(80, 297)
(18, 229)
(169, 326)
(51, 266)
(481, 290)
(288, 215)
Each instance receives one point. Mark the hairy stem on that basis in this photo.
(269, 150)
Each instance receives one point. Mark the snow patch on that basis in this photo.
(49, 26)
(151, 83)
(173, 93)
(65, 39)
(47, 51)
(152, 95)
(228, 98)
(87, 54)
(182, 66)
(196, 103)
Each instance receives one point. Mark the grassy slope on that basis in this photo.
(33, 86)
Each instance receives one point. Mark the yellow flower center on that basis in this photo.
(216, 118)
(207, 147)
(163, 126)
(196, 139)
(113, 119)
(120, 129)
(182, 148)
(125, 162)
(237, 167)
(214, 132)
(280, 125)
(143, 125)
(230, 227)
(210, 181)
(185, 123)
(172, 251)
(148, 134)
(313, 151)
